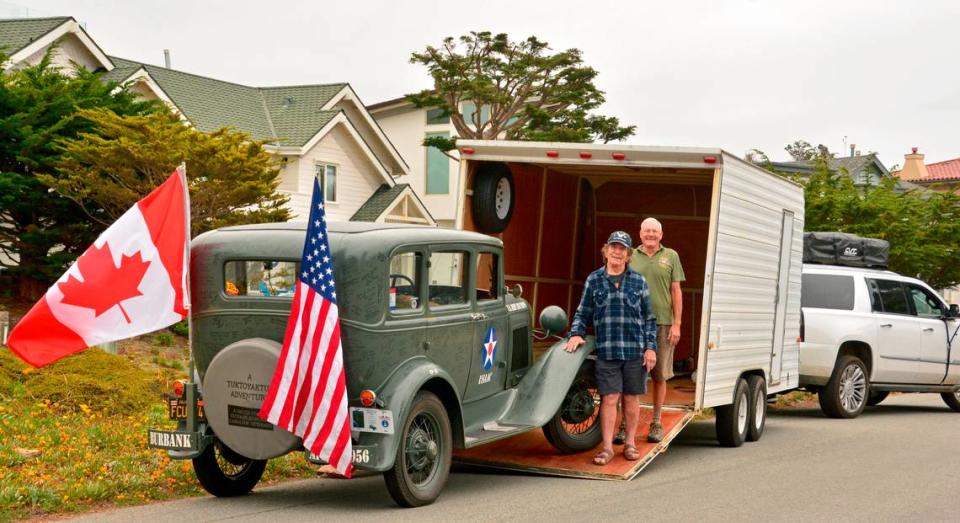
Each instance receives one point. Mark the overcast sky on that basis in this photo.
(733, 74)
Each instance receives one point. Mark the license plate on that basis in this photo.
(371, 420)
(177, 409)
(361, 456)
(162, 439)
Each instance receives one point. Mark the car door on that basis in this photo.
(930, 311)
(897, 333)
(450, 314)
(488, 370)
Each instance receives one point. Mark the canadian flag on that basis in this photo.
(131, 281)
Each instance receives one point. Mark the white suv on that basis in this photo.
(867, 332)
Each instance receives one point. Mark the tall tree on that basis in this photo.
(519, 89)
(38, 106)
(801, 150)
(232, 179)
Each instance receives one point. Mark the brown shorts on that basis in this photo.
(664, 367)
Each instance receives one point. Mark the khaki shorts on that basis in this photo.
(663, 370)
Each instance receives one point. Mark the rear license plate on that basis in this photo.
(177, 409)
(162, 439)
(361, 456)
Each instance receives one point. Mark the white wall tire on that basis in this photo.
(758, 407)
(733, 419)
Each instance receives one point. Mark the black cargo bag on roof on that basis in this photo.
(838, 248)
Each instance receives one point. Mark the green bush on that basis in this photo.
(163, 339)
(180, 329)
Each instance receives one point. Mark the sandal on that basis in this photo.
(630, 452)
(603, 457)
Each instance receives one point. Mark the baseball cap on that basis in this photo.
(622, 238)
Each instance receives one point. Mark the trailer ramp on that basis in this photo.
(530, 452)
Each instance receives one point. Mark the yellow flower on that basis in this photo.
(27, 370)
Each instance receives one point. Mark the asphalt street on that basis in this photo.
(898, 461)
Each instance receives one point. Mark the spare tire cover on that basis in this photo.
(234, 388)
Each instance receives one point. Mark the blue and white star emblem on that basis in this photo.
(489, 349)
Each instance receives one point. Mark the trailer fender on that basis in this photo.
(397, 395)
(541, 391)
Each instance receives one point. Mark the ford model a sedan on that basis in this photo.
(437, 355)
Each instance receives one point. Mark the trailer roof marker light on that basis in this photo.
(585, 155)
(618, 156)
(467, 150)
(709, 159)
(552, 154)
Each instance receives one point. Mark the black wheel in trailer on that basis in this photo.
(758, 407)
(224, 473)
(493, 197)
(733, 419)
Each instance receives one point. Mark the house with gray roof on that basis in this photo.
(865, 170)
(321, 131)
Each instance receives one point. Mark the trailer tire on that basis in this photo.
(876, 396)
(224, 473)
(576, 425)
(424, 454)
(952, 399)
(758, 407)
(845, 395)
(493, 197)
(733, 420)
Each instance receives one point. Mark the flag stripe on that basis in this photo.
(322, 395)
(305, 401)
(278, 373)
(164, 212)
(40, 339)
(291, 416)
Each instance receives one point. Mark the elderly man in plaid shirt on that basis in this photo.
(616, 301)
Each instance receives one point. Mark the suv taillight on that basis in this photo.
(800, 338)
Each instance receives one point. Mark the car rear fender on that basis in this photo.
(543, 388)
(397, 395)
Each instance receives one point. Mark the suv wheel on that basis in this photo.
(845, 395)
(576, 425)
(876, 396)
(952, 399)
(733, 420)
(422, 465)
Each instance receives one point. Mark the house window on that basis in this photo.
(438, 168)
(469, 108)
(327, 174)
(437, 116)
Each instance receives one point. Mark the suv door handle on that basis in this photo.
(928, 329)
(886, 325)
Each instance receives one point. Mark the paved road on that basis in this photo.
(897, 462)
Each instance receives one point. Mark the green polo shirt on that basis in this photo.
(660, 271)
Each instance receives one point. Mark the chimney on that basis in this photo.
(913, 166)
(166, 58)
(853, 149)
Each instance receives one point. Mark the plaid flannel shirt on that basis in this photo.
(622, 319)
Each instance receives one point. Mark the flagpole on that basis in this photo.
(191, 390)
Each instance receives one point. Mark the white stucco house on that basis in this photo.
(319, 131)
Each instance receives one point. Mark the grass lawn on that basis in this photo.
(73, 434)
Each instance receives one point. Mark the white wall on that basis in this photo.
(406, 128)
(357, 176)
(71, 49)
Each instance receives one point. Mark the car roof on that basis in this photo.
(388, 233)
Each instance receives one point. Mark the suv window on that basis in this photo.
(404, 284)
(448, 278)
(827, 291)
(925, 303)
(888, 296)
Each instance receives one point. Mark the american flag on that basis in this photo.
(308, 394)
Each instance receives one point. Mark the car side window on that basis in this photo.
(448, 278)
(404, 283)
(925, 303)
(259, 278)
(488, 272)
(892, 297)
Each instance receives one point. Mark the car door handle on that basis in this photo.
(886, 325)
(928, 329)
(478, 316)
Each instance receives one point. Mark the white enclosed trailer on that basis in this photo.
(737, 227)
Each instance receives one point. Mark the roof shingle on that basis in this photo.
(15, 34)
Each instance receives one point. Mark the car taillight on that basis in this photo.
(800, 337)
(178, 388)
(367, 397)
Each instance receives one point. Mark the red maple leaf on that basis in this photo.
(104, 285)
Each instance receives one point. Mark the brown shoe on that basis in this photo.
(621, 434)
(656, 432)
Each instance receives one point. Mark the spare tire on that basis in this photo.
(493, 197)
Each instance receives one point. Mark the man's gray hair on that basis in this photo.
(651, 221)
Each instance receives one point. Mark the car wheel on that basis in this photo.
(422, 465)
(876, 396)
(845, 395)
(576, 425)
(758, 407)
(493, 197)
(733, 420)
(952, 399)
(224, 473)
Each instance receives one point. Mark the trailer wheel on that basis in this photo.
(758, 406)
(875, 397)
(493, 197)
(845, 395)
(224, 473)
(422, 465)
(952, 399)
(576, 425)
(733, 420)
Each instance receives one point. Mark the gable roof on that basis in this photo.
(15, 34)
(854, 165)
(384, 199)
(22, 37)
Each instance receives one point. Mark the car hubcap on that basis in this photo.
(853, 388)
(580, 408)
(502, 198)
(423, 449)
(759, 409)
(742, 416)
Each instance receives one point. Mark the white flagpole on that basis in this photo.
(191, 390)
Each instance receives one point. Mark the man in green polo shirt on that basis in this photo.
(660, 266)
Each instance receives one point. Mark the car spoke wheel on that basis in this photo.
(576, 425)
(424, 452)
(845, 395)
(225, 473)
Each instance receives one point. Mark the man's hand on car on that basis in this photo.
(574, 343)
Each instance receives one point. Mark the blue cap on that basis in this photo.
(622, 238)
